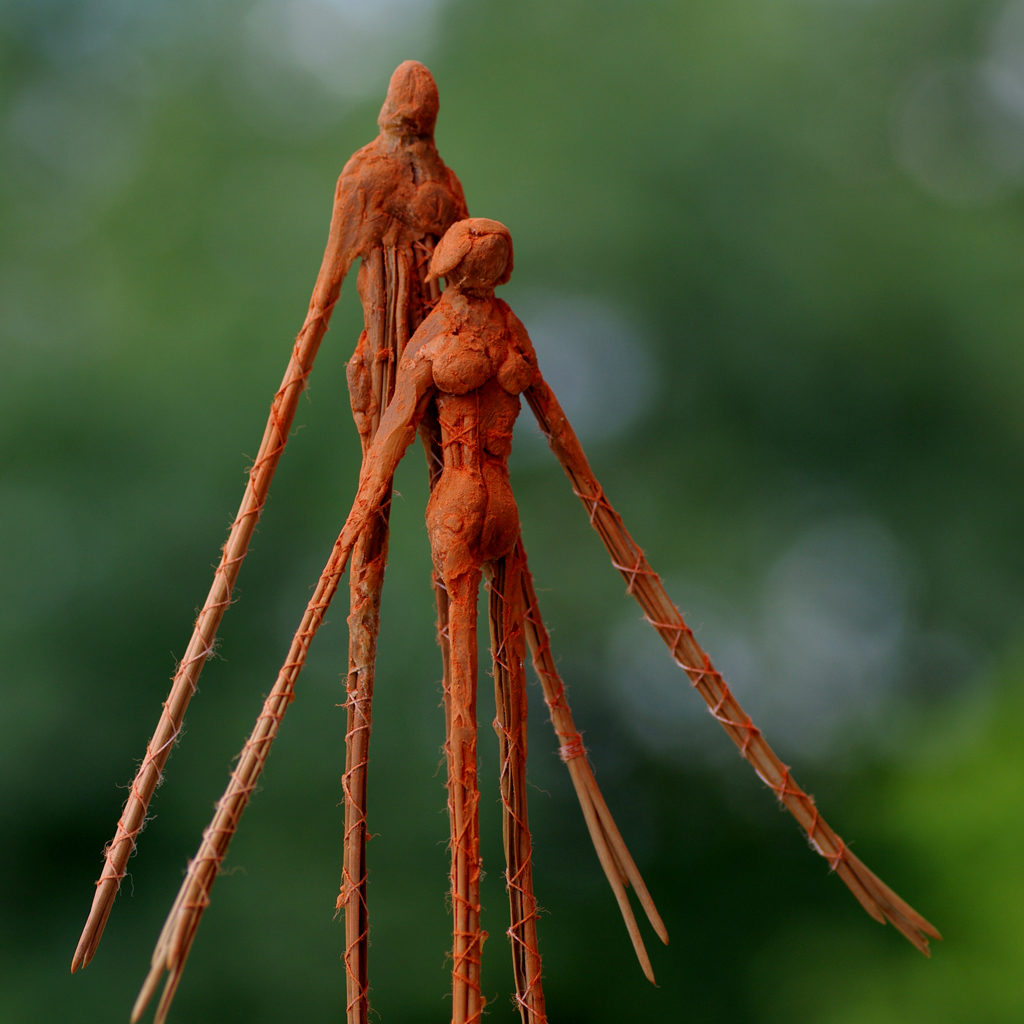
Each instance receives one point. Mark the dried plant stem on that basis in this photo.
(366, 579)
(618, 865)
(464, 800)
(506, 628)
(282, 412)
(193, 896)
(645, 586)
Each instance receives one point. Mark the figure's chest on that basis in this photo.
(468, 355)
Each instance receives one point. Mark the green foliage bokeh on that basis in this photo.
(770, 253)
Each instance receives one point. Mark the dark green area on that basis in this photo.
(802, 220)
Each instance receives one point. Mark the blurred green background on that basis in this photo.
(771, 257)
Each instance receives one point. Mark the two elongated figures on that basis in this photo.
(452, 366)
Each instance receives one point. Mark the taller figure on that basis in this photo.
(394, 199)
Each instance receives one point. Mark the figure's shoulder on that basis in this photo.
(461, 211)
(436, 324)
(517, 332)
(366, 169)
(355, 164)
(518, 369)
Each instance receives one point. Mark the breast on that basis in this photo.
(461, 364)
(515, 374)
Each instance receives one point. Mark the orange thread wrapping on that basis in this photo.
(572, 748)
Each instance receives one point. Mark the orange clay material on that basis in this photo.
(464, 799)
(467, 364)
(395, 297)
(469, 361)
(394, 197)
(473, 432)
(506, 620)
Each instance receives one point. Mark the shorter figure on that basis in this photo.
(473, 358)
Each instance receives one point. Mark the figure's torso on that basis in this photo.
(408, 198)
(479, 371)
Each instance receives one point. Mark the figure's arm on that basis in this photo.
(350, 224)
(352, 217)
(645, 586)
(414, 388)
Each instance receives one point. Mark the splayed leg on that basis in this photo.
(616, 861)
(366, 580)
(506, 623)
(464, 800)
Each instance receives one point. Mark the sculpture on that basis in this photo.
(457, 381)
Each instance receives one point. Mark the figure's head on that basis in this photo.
(410, 107)
(474, 253)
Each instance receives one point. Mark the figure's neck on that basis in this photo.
(462, 296)
(395, 142)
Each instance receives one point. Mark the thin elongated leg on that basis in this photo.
(618, 865)
(506, 624)
(194, 894)
(394, 300)
(645, 586)
(463, 800)
(366, 370)
(366, 579)
(430, 435)
(183, 686)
